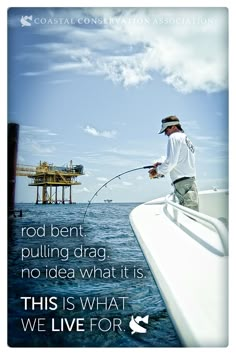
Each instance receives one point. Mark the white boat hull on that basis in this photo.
(190, 265)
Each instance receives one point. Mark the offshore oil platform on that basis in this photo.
(45, 176)
(49, 178)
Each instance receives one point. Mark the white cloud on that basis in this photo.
(102, 179)
(127, 183)
(187, 47)
(59, 81)
(38, 148)
(81, 190)
(204, 138)
(128, 71)
(132, 152)
(119, 159)
(29, 130)
(36, 140)
(94, 132)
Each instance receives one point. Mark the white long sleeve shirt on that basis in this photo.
(180, 160)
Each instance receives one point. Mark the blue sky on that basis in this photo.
(92, 85)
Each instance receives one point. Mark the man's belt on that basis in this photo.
(183, 178)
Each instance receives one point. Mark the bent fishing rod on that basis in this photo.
(105, 185)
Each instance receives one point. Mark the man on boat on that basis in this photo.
(179, 163)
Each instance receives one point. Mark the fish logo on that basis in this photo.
(25, 20)
(134, 324)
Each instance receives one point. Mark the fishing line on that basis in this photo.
(105, 185)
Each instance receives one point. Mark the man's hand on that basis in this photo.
(156, 164)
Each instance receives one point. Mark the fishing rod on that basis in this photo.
(105, 185)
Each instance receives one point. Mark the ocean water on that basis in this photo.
(79, 285)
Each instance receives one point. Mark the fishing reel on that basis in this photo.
(157, 176)
(154, 175)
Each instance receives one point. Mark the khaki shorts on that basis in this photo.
(187, 193)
